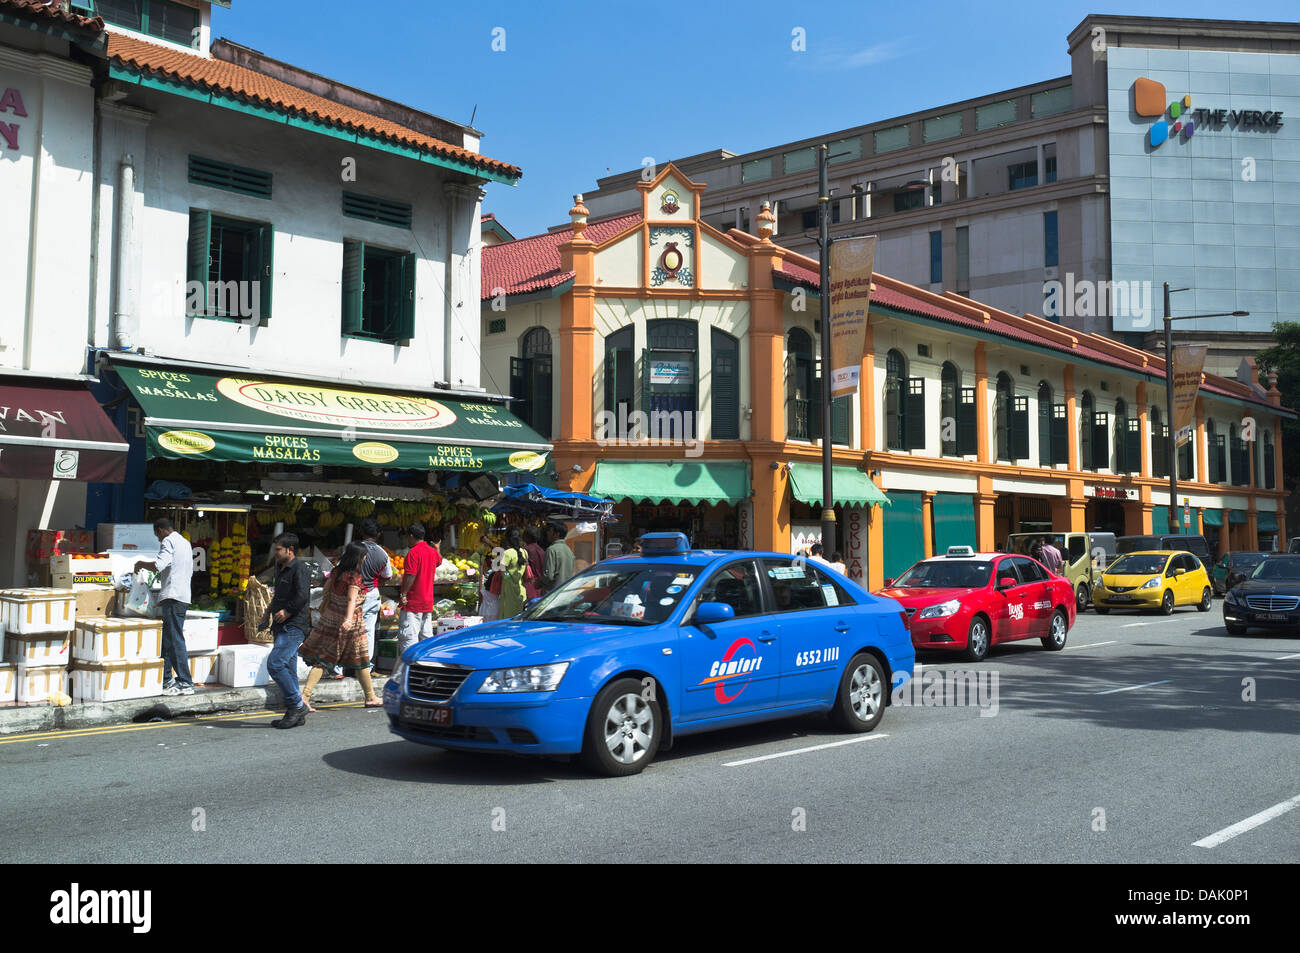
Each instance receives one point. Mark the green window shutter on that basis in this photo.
(967, 425)
(645, 380)
(1018, 443)
(1133, 446)
(1218, 458)
(265, 269)
(521, 406)
(197, 254)
(1160, 451)
(354, 259)
(815, 409)
(914, 414)
(954, 520)
(1270, 471)
(842, 420)
(405, 331)
(725, 397)
(1100, 440)
(540, 395)
(1185, 459)
(1060, 435)
(903, 531)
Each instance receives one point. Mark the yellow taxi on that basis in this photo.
(1153, 580)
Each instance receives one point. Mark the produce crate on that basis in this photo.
(205, 667)
(117, 640)
(201, 631)
(115, 681)
(33, 611)
(45, 649)
(8, 683)
(36, 683)
(244, 666)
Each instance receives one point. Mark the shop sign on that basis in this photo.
(11, 103)
(186, 442)
(1110, 492)
(852, 262)
(375, 452)
(671, 372)
(1149, 99)
(527, 460)
(856, 544)
(1188, 364)
(803, 535)
(745, 524)
(326, 405)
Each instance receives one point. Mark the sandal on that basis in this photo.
(374, 703)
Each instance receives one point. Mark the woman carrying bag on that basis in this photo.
(339, 635)
(514, 571)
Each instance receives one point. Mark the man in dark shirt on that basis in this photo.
(536, 559)
(288, 615)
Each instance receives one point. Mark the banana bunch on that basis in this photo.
(327, 520)
(321, 506)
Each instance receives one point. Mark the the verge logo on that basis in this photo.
(76, 906)
(1092, 299)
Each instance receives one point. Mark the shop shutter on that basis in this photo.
(1100, 439)
(265, 269)
(725, 405)
(967, 425)
(1060, 435)
(521, 406)
(354, 259)
(405, 330)
(197, 258)
(1133, 446)
(540, 395)
(841, 419)
(914, 414)
(954, 520)
(1018, 431)
(904, 537)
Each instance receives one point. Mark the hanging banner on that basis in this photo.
(1188, 363)
(852, 262)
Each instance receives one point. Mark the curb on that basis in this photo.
(211, 701)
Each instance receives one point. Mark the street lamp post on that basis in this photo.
(1171, 442)
(824, 237)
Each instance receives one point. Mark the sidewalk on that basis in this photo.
(205, 701)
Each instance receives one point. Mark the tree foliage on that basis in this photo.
(1284, 357)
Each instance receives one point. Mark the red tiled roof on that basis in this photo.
(219, 76)
(533, 263)
(43, 8)
(892, 298)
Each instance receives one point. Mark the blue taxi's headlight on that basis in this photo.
(398, 674)
(940, 611)
(531, 678)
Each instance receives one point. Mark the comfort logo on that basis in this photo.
(734, 664)
(1149, 100)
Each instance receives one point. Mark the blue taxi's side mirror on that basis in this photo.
(708, 613)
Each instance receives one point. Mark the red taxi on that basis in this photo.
(968, 601)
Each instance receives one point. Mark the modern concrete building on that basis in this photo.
(1030, 199)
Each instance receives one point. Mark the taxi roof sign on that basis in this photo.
(662, 544)
(961, 551)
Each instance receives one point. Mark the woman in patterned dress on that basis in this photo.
(339, 635)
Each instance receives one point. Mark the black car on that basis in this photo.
(1233, 568)
(1269, 598)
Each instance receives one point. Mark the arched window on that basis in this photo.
(669, 376)
(895, 384)
(1087, 410)
(1002, 414)
(949, 383)
(724, 397)
(1122, 462)
(530, 380)
(1045, 455)
(801, 376)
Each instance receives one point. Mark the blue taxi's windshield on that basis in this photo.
(961, 574)
(634, 593)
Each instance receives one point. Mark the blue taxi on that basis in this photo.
(625, 657)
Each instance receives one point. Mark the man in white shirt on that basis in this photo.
(175, 565)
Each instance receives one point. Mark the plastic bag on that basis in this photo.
(140, 601)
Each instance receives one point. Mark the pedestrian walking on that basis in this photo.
(536, 560)
(375, 566)
(1051, 556)
(288, 615)
(815, 555)
(837, 563)
(175, 565)
(559, 558)
(514, 567)
(339, 636)
(422, 561)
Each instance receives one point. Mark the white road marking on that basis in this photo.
(1090, 645)
(1131, 688)
(786, 754)
(1286, 657)
(1130, 625)
(1250, 823)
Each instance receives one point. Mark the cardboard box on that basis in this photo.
(32, 611)
(49, 648)
(8, 683)
(451, 623)
(205, 667)
(115, 681)
(200, 631)
(44, 543)
(243, 666)
(95, 602)
(117, 640)
(132, 536)
(36, 683)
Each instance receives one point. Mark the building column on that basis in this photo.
(927, 521)
(1072, 426)
(1277, 469)
(981, 405)
(1137, 516)
(1144, 438)
(867, 399)
(985, 501)
(1078, 506)
(771, 505)
(876, 544)
(1225, 533)
(1252, 526)
(1202, 451)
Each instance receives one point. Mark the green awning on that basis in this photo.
(1237, 517)
(1267, 522)
(673, 481)
(192, 415)
(1213, 517)
(852, 486)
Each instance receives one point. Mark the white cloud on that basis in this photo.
(848, 60)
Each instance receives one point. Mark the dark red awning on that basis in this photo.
(50, 432)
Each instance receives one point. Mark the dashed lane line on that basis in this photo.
(1250, 823)
(787, 754)
(1131, 688)
(1091, 645)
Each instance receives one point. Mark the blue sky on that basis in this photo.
(583, 89)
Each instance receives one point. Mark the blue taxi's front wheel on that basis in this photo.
(624, 728)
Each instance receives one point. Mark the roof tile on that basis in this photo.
(50, 10)
(533, 264)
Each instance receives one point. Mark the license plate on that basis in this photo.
(427, 715)
(1118, 597)
(1270, 616)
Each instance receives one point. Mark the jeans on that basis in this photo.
(412, 627)
(370, 613)
(282, 664)
(175, 656)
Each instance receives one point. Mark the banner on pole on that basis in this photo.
(1187, 366)
(852, 262)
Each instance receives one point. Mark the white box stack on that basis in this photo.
(200, 631)
(117, 681)
(243, 666)
(205, 667)
(37, 625)
(8, 683)
(47, 648)
(36, 611)
(36, 683)
(116, 659)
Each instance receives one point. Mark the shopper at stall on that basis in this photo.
(837, 563)
(375, 566)
(514, 567)
(175, 565)
(536, 560)
(339, 636)
(559, 559)
(288, 615)
(422, 562)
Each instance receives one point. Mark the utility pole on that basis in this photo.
(829, 544)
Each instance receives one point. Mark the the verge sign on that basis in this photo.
(1149, 100)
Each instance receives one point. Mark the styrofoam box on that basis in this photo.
(137, 536)
(117, 640)
(243, 666)
(451, 623)
(200, 631)
(48, 648)
(8, 682)
(115, 681)
(33, 611)
(36, 683)
(204, 667)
